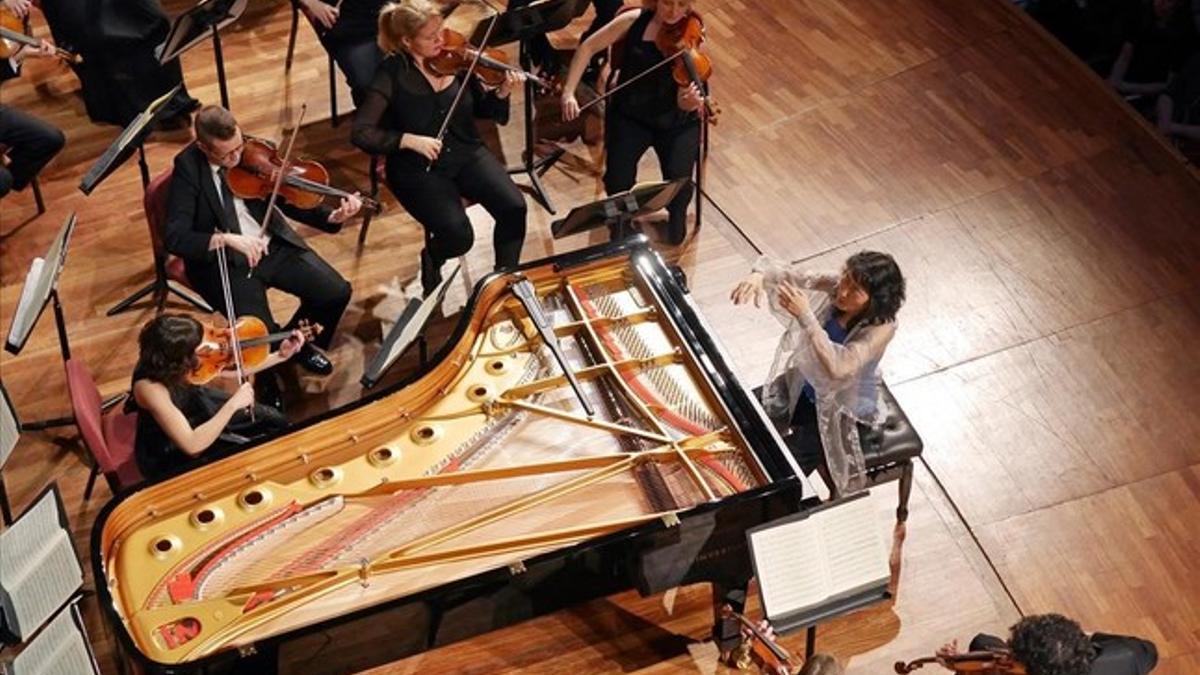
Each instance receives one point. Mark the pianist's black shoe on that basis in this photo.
(431, 273)
(313, 361)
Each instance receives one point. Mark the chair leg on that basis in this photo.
(87, 491)
(37, 196)
(287, 62)
(372, 160)
(333, 111)
(906, 481)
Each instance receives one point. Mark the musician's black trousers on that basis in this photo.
(31, 143)
(358, 62)
(323, 292)
(677, 148)
(434, 198)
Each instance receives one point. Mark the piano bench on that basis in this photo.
(888, 450)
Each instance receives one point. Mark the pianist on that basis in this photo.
(824, 382)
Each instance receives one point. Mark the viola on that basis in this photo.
(458, 53)
(14, 33)
(305, 184)
(215, 352)
(681, 41)
(764, 651)
(987, 662)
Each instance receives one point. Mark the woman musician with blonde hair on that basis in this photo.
(431, 166)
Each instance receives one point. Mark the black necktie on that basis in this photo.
(231, 217)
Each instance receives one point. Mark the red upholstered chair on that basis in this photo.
(108, 438)
(169, 274)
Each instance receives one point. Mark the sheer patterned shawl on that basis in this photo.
(845, 377)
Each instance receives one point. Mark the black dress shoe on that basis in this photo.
(266, 390)
(431, 273)
(314, 361)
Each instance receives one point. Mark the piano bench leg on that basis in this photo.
(906, 481)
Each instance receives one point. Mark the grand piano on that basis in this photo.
(581, 432)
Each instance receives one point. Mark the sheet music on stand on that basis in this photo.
(408, 326)
(40, 281)
(196, 25)
(10, 426)
(820, 564)
(61, 648)
(38, 571)
(121, 149)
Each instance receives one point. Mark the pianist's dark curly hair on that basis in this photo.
(167, 348)
(1051, 644)
(880, 276)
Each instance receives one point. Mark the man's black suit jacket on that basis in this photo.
(194, 212)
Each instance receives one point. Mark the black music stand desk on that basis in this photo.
(618, 211)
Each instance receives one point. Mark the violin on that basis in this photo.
(987, 662)
(305, 185)
(458, 53)
(14, 33)
(764, 651)
(681, 41)
(215, 352)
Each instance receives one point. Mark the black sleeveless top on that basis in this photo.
(154, 451)
(652, 99)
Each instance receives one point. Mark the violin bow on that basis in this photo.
(631, 80)
(231, 317)
(465, 83)
(283, 169)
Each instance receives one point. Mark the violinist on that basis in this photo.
(178, 421)
(400, 117)
(1052, 644)
(31, 142)
(204, 213)
(652, 112)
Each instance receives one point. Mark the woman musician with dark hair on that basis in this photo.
(177, 420)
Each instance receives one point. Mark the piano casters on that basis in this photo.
(525, 292)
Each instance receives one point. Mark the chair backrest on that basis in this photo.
(155, 205)
(85, 403)
(120, 433)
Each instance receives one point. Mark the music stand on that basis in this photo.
(132, 137)
(190, 28)
(41, 285)
(618, 211)
(408, 327)
(521, 24)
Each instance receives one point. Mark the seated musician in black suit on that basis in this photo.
(202, 214)
(1052, 644)
(30, 142)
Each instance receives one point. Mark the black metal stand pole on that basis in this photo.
(535, 169)
(220, 68)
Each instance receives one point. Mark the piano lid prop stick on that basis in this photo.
(524, 291)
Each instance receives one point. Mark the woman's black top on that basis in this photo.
(400, 100)
(154, 451)
(652, 99)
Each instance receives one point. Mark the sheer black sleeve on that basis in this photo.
(488, 105)
(371, 132)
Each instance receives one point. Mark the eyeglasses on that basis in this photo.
(227, 155)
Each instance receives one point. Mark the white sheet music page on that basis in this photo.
(24, 316)
(38, 569)
(60, 649)
(8, 430)
(856, 555)
(791, 566)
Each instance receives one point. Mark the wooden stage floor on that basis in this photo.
(1047, 353)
